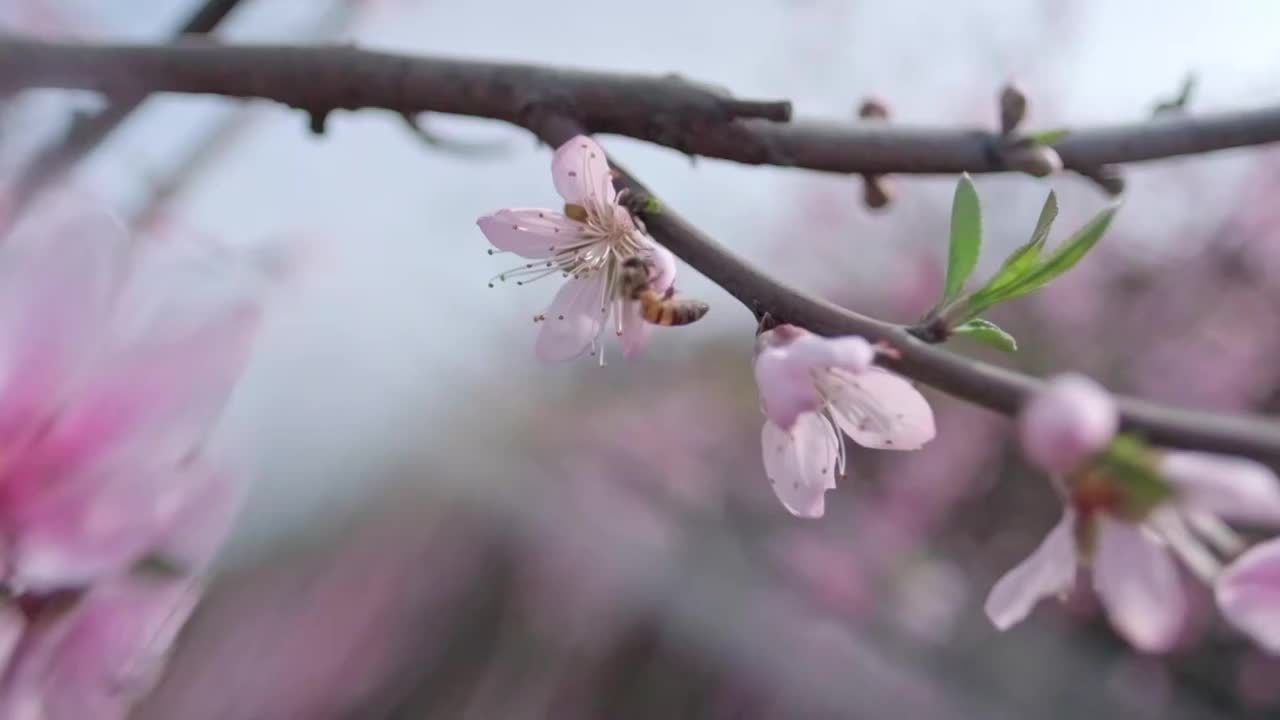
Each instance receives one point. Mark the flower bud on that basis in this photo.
(1013, 108)
(1071, 419)
(1034, 160)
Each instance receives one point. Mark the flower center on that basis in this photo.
(607, 239)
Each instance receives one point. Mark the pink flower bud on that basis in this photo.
(1068, 421)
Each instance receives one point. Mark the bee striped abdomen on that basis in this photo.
(667, 311)
(658, 308)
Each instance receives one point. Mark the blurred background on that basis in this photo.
(438, 526)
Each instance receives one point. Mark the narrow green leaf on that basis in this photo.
(1024, 258)
(1047, 137)
(988, 333)
(1062, 259)
(966, 238)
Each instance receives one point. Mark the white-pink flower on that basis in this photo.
(1248, 594)
(1128, 530)
(587, 244)
(813, 389)
(117, 358)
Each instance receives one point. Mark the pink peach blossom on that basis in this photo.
(116, 360)
(587, 248)
(1131, 553)
(813, 389)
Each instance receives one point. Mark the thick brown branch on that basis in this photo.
(665, 110)
(87, 132)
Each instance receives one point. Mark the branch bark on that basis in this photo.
(666, 110)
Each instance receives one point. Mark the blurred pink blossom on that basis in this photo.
(587, 244)
(1070, 420)
(116, 360)
(810, 386)
(1128, 548)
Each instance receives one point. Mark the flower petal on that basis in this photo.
(1138, 584)
(1248, 594)
(92, 524)
(634, 333)
(1230, 487)
(94, 659)
(530, 233)
(59, 285)
(1050, 570)
(851, 353)
(157, 401)
(801, 464)
(880, 410)
(573, 321)
(12, 625)
(664, 268)
(786, 390)
(581, 174)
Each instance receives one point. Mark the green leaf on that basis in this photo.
(1046, 137)
(988, 333)
(966, 238)
(1024, 258)
(1062, 259)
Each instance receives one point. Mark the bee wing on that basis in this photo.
(881, 410)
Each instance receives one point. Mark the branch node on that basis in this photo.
(932, 330)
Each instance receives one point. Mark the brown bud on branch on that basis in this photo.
(1013, 108)
(876, 192)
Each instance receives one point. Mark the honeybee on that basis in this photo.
(657, 308)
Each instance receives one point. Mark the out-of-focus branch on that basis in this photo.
(995, 388)
(88, 131)
(666, 110)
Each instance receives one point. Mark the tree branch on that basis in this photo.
(995, 388)
(88, 131)
(662, 109)
(557, 104)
